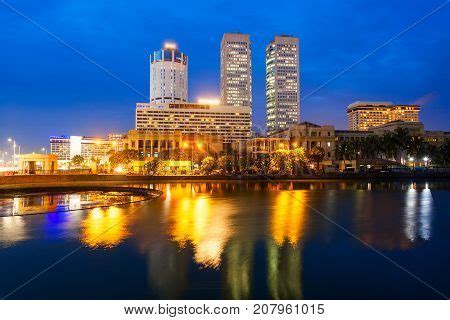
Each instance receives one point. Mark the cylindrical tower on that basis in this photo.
(168, 75)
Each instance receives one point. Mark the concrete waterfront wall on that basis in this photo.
(20, 181)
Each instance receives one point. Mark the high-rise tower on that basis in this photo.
(236, 70)
(168, 75)
(282, 83)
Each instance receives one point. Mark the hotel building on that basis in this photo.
(365, 115)
(231, 124)
(66, 147)
(168, 75)
(236, 70)
(282, 83)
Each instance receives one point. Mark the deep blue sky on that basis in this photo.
(47, 89)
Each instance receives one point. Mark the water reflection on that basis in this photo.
(44, 203)
(12, 230)
(205, 225)
(104, 228)
(418, 212)
(288, 216)
(284, 264)
(236, 240)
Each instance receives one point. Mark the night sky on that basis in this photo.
(48, 89)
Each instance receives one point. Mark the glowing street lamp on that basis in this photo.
(10, 140)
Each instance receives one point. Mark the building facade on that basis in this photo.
(265, 146)
(363, 115)
(231, 124)
(168, 75)
(66, 147)
(38, 163)
(236, 70)
(152, 143)
(309, 135)
(282, 83)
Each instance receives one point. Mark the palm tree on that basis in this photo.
(78, 160)
(371, 147)
(389, 145)
(444, 153)
(416, 147)
(402, 137)
(348, 150)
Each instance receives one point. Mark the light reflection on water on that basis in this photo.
(253, 236)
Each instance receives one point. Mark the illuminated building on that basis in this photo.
(151, 143)
(232, 124)
(236, 70)
(117, 140)
(282, 83)
(257, 147)
(366, 115)
(66, 147)
(308, 135)
(38, 163)
(168, 75)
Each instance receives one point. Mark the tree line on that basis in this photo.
(396, 145)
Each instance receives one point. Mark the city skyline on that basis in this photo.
(63, 87)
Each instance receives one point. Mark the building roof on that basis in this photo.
(369, 104)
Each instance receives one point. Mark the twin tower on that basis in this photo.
(169, 77)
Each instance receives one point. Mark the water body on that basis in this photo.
(231, 240)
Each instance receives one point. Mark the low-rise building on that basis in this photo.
(151, 143)
(437, 137)
(262, 146)
(414, 128)
(309, 135)
(34, 163)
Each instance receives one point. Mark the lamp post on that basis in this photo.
(10, 140)
(44, 150)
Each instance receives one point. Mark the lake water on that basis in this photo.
(330, 240)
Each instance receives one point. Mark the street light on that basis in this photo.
(10, 140)
(44, 150)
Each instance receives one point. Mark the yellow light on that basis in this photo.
(210, 101)
(119, 169)
(295, 144)
(170, 45)
(199, 144)
(185, 145)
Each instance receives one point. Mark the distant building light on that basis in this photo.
(210, 101)
(170, 45)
